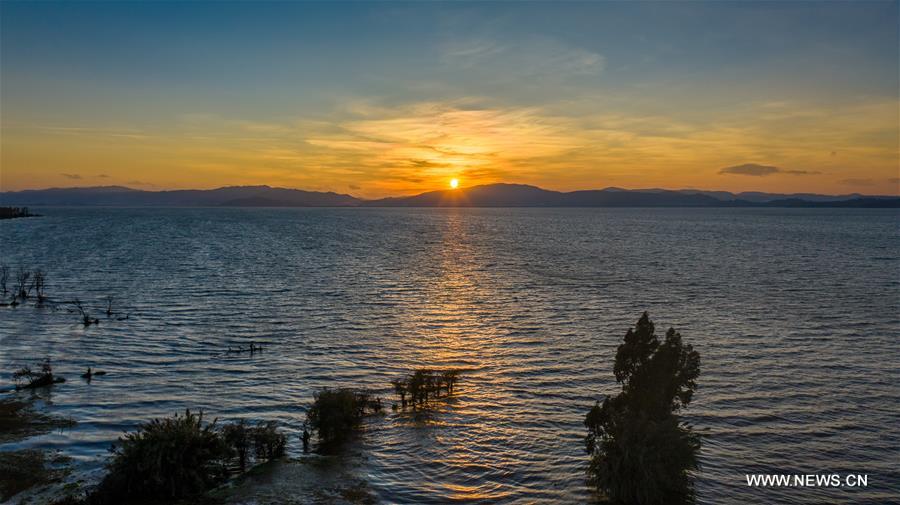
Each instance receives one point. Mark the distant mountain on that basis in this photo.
(235, 196)
(755, 196)
(491, 195)
(520, 195)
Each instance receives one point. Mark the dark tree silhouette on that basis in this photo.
(39, 281)
(22, 285)
(165, 459)
(337, 413)
(262, 441)
(400, 389)
(26, 378)
(424, 385)
(641, 452)
(171, 459)
(86, 318)
(4, 278)
(13, 212)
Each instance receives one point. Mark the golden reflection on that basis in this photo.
(449, 328)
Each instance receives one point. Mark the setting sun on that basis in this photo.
(454, 183)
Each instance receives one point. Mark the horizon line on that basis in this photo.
(459, 189)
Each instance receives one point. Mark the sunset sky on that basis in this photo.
(377, 99)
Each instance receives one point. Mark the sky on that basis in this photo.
(388, 98)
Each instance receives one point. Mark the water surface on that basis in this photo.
(796, 314)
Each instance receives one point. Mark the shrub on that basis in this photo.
(181, 457)
(640, 450)
(336, 413)
(22, 285)
(39, 282)
(263, 442)
(238, 439)
(86, 318)
(423, 385)
(26, 378)
(167, 458)
(268, 443)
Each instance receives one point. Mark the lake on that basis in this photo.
(795, 313)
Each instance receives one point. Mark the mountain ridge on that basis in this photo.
(489, 195)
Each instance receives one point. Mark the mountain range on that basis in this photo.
(490, 195)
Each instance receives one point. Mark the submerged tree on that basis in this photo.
(424, 385)
(260, 442)
(337, 413)
(86, 318)
(640, 450)
(400, 389)
(4, 278)
(22, 285)
(38, 282)
(26, 378)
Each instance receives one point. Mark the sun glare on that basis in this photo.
(454, 183)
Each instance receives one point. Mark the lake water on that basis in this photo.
(795, 312)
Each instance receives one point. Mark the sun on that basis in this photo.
(454, 183)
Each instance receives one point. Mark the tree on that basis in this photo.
(336, 413)
(4, 278)
(38, 282)
(640, 450)
(22, 286)
(423, 385)
(400, 389)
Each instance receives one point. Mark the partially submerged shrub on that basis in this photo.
(268, 442)
(14, 212)
(86, 318)
(261, 442)
(26, 378)
(424, 385)
(167, 458)
(4, 278)
(38, 282)
(641, 453)
(22, 285)
(237, 437)
(337, 413)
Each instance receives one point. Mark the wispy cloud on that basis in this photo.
(386, 147)
(126, 133)
(541, 59)
(424, 141)
(141, 183)
(858, 181)
(71, 176)
(762, 170)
